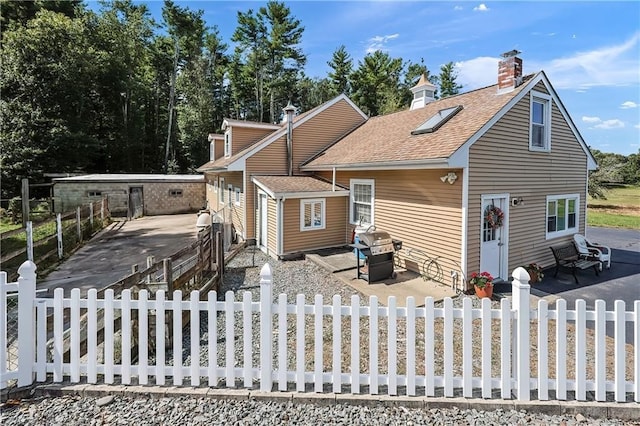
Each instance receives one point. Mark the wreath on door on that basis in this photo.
(494, 216)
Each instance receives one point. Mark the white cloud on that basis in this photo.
(457, 8)
(610, 124)
(477, 72)
(628, 104)
(481, 8)
(637, 126)
(379, 42)
(615, 65)
(606, 124)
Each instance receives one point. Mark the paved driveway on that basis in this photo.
(108, 256)
(621, 282)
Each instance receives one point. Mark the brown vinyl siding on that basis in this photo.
(414, 206)
(271, 160)
(333, 235)
(218, 148)
(241, 137)
(500, 162)
(318, 133)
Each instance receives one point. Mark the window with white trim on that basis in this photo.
(540, 122)
(215, 185)
(237, 196)
(312, 214)
(222, 191)
(212, 151)
(361, 201)
(562, 215)
(227, 143)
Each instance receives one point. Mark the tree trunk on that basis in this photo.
(172, 93)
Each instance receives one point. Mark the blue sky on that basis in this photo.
(590, 50)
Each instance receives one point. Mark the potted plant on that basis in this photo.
(482, 283)
(535, 272)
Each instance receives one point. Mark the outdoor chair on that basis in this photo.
(593, 250)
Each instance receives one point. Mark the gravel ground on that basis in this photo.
(110, 410)
(292, 277)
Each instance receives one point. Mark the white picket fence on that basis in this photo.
(288, 346)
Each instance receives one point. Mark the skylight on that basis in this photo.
(437, 120)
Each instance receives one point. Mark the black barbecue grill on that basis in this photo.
(378, 248)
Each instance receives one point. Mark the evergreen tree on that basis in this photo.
(342, 66)
(447, 80)
(376, 83)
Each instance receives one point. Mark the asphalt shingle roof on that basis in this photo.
(388, 138)
(291, 184)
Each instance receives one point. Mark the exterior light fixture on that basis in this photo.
(449, 177)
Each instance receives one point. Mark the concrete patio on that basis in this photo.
(406, 283)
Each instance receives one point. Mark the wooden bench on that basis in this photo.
(567, 257)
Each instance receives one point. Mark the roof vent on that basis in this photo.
(437, 120)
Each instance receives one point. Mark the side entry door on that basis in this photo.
(493, 236)
(136, 202)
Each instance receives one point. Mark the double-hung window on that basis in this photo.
(562, 215)
(540, 122)
(222, 191)
(312, 214)
(237, 196)
(361, 201)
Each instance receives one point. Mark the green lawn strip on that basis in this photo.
(628, 196)
(604, 219)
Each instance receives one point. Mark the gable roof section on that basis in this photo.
(298, 187)
(459, 158)
(230, 122)
(386, 142)
(237, 161)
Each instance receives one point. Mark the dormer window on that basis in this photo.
(540, 122)
(227, 143)
(212, 151)
(437, 120)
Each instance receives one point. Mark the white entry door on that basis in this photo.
(493, 238)
(262, 239)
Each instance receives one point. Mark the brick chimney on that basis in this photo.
(509, 72)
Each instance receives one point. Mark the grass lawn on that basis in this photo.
(621, 209)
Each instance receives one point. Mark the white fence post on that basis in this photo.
(266, 326)
(29, 232)
(91, 215)
(26, 323)
(520, 291)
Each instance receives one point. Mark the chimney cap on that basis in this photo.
(289, 108)
(511, 53)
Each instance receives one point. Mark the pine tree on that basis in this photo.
(342, 66)
(447, 80)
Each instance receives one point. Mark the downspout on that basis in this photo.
(465, 225)
(333, 180)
